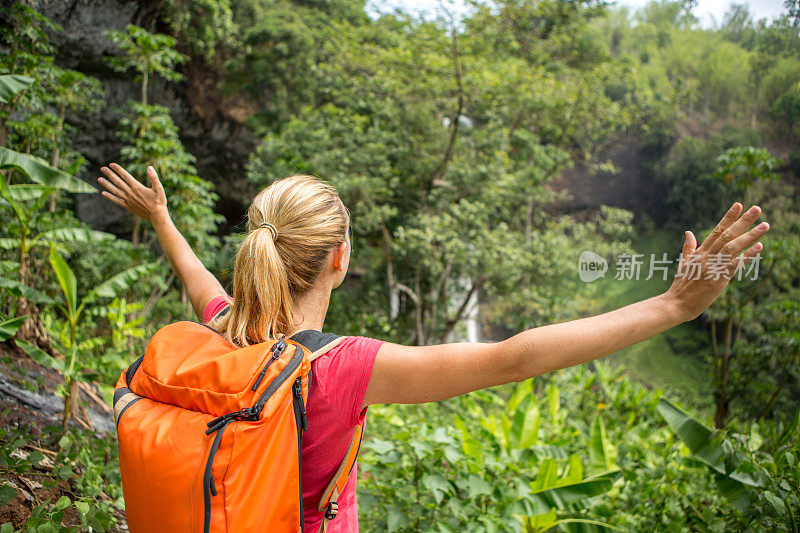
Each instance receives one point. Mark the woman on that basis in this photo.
(297, 251)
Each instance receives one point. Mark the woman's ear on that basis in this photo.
(340, 256)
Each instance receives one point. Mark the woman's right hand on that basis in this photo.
(129, 193)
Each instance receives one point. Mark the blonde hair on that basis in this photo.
(274, 265)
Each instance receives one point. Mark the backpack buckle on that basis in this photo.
(332, 510)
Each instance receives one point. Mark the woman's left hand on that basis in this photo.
(706, 271)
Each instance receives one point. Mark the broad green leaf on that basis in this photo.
(521, 392)
(26, 192)
(7, 494)
(733, 474)
(553, 401)
(40, 356)
(524, 431)
(9, 327)
(29, 293)
(585, 521)
(574, 472)
(697, 437)
(600, 451)
(118, 283)
(66, 278)
(478, 486)
(542, 522)
(19, 210)
(39, 171)
(7, 266)
(546, 476)
(76, 235)
(438, 485)
(734, 491)
(83, 508)
(11, 84)
(561, 496)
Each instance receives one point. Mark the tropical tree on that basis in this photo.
(151, 138)
(74, 311)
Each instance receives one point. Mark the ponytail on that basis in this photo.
(292, 227)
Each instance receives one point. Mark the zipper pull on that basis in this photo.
(277, 350)
(298, 392)
(215, 424)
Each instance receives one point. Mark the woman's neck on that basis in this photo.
(311, 308)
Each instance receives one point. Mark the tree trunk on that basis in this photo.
(144, 87)
(754, 116)
(72, 402)
(57, 154)
(137, 223)
(722, 399)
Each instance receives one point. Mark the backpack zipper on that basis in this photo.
(252, 413)
(277, 350)
(302, 425)
(209, 488)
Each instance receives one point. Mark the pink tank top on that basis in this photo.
(334, 408)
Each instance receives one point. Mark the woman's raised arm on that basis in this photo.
(406, 374)
(150, 203)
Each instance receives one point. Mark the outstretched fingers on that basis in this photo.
(125, 175)
(737, 245)
(114, 199)
(736, 230)
(726, 222)
(110, 187)
(749, 255)
(115, 179)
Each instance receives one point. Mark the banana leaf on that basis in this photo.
(9, 327)
(735, 476)
(11, 84)
(524, 431)
(29, 293)
(121, 282)
(560, 497)
(75, 235)
(24, 192)
(40, 356)
(39, 171)
(68, 282)
(599, 448)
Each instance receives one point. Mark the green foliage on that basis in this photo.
(72, 309)
(505, 466)
(39, 171)
(151, 139)
(146, 53)
(745, 165)
(203, 27)
(87, 463)
(757, 480)
(11, 84)
(446, 139)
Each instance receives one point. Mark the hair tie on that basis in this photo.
(272, 229)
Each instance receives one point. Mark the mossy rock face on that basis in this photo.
(208, 127)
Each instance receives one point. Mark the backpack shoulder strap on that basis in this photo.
(328, 503)
(319, 343)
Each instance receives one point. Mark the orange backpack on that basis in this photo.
(210, 434)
